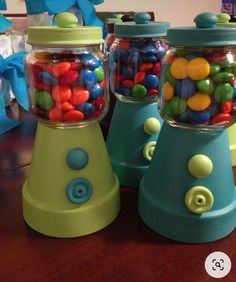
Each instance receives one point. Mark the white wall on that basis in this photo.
(177, 12)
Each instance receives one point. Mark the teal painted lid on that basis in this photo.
(141, 27)
(206, 33)
(66, 33)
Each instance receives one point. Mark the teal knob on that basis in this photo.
(66, 20)
(142, 18)
(206, 20)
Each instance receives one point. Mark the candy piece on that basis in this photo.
(199, 117)
(206, 86)
(128, 83)
(79, 95)
(223, 77)
(86, 108)
(198, 68)
(95, 91)
(99, 102)
(39, 85)
(139, 91)
(178, 68)
(100, 73)
(55, 114)
(87, 78)
(47, 78)
(69, 77)
(151, 81)
(168, 76)
(221, 118)
(223, 92)
(214, 69)
(44, 100)
(149, 50)
(177, 105)
(73, 115)
(124, 43)
(152, 92)
(128, 72)
(61, 93)
(168, 91)
(75, 66)
(139, 76)
(90, 61)
(150, 59)
(226, 107)
(146, 67)
(199, 101)
(156, 68)
(65, 106)
(185, 88)
(58, 69)
(123, 90)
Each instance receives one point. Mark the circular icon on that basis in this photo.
(217, 264)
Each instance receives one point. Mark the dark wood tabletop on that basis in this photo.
(126, 250)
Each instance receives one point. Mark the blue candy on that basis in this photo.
(128, 72)
(95, 91)
(48, 78)
(123, 90)
(213, 109)
(151, 81)
(87, 108)
(122, 55)
(149, 50)
(150, 59)
(90, 61)
(87, 78)
(185, 88)
(199, 117)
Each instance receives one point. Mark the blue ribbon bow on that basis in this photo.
(4, 23)
(57, 6)
(12, 69)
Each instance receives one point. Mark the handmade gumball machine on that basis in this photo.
(71, 189)
(188, 193)
(134, 63)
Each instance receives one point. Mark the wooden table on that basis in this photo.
(125, 251)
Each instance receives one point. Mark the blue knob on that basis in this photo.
(142, 18)
(206, 20)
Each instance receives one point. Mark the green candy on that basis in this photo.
(100, 73)
(223, 76)
(139, 91)
(177, 105)
(44, 100)
(214, 69)
(223, 92)
(205, 86)
(166, 110)
(169, 77)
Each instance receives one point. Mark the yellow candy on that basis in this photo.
(179, 68)
(168, 91)
(198, 68)
(199, 101)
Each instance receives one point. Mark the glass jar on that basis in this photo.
(199, 76)
(135, 59)
(67, 73)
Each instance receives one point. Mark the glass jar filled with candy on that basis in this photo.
(189, 182)
(67, 74)
(71, 189)
(135, 58)
(134, 74)
(199, 79)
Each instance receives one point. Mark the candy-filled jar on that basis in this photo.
(188, 193)
(134, 75)
(71, 189)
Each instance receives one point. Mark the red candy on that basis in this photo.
(55, 114)
(156, 68)
(220, 118)
(146, 67)
(75, 66)
(73, 115)
(58, 69)
(61, 93)
(99, 103)
(139, 76)
(65, 106)
(39, 85)
(125, 43)
(79, 96)
(152, 92)
(69, 77)
(128, 83)
(226, 107)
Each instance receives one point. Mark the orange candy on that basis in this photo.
(58, 69)
(73, 115)
(61, 93)
(79, 96)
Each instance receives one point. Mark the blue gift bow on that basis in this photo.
(57, 6)
(12, 68)
(3, 5)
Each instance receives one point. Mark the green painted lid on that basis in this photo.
(141, 27)
(67, 32)
(206, 33)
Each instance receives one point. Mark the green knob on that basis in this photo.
(66, 20)
(223, 18)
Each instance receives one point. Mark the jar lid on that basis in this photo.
(65, 33)
(141, 27)
(206, 33)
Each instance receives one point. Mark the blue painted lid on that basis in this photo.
(141, 27)
(206, 33)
